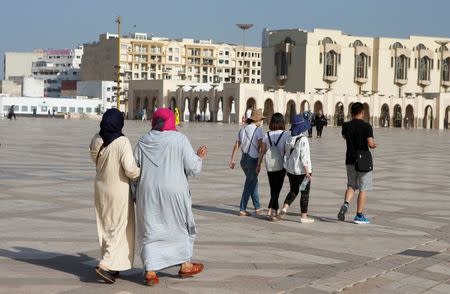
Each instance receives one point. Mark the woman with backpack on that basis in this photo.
(297, 162)
(272, 149)
(249, 139)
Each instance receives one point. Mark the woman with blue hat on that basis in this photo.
(297, 162)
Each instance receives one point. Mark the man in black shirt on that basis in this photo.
(359, 137)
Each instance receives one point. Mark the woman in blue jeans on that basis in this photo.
(249, 139)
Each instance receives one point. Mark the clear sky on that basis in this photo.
(29, 24)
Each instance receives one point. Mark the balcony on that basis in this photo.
(361, 80)
(330, 79)
(424, 83)
(401, 81)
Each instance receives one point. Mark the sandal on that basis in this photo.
(151, 278)
(244, 213)
(105, 275)
(195, 269)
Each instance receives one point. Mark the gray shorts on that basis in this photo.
(358, 180)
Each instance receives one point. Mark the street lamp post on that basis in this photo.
(441, 72)
(243, 27)
(119, 22)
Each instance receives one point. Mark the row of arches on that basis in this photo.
(398, 118)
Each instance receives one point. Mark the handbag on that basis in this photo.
(363, 161)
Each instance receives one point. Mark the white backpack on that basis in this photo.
(273, 158)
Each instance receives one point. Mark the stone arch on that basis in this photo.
(229, 113)
(385, 117)
(349, 113)
(446, 118)
(173, 103)
(397, 116)
(186, 109)
(339, 115)
(268, 110)
(205, 109)
(220, 109)
(304, 106)
(137, 107)
(250, 102)
(366, 112)
(409, 117)
(428, 117)
(151, 107)
(318, 105)
(291, 111)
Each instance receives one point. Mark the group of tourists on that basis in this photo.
(288, 153)
(149, 189)
(162, 211)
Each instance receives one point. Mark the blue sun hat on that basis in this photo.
(299, 125)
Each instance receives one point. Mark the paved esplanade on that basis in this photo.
(48, 236)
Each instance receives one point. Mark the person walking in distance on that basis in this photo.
(297, 162)
(249, 140)
(320, 121)
(358, 135)
(272, 149)
(11, 113)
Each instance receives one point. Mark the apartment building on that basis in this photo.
(57, 66)
(146, 57)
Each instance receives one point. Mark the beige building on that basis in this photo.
(152, 58)
(18, 64)
(328, 60)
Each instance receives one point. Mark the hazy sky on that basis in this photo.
(29, 24)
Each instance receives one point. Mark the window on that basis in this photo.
(6, 107)
(24, 108)
(361, 66)
(170, 58)
(72, 109)
(80, 109)
(392, 61)
(330, 64)
(63, 109)
(424, 69)
(44, 108)
(445, 70)
(170, 50)
(177, 59)
(320, 58)
(88, 110)
(401, 67)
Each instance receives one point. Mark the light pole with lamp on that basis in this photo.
(243, 27)
(119, 22)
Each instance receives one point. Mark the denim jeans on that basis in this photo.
(248, 165)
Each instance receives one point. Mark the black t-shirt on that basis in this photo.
(356, 132)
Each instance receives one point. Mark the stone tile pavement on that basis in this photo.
(48, 241)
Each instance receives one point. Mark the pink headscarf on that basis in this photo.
(163, 120)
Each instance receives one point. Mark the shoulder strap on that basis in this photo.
(251, 141)
(295, 144)
(279, 138)
(270, 140)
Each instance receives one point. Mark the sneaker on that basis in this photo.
(307, 220)
(342, 212)
(361, 219)
(282, 213)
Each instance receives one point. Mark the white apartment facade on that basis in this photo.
(56, 66)
(103, 90)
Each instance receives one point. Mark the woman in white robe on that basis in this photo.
(115, 165)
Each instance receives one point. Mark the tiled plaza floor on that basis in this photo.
(48, 238)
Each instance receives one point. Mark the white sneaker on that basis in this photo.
(282, 213)
(306, 220)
